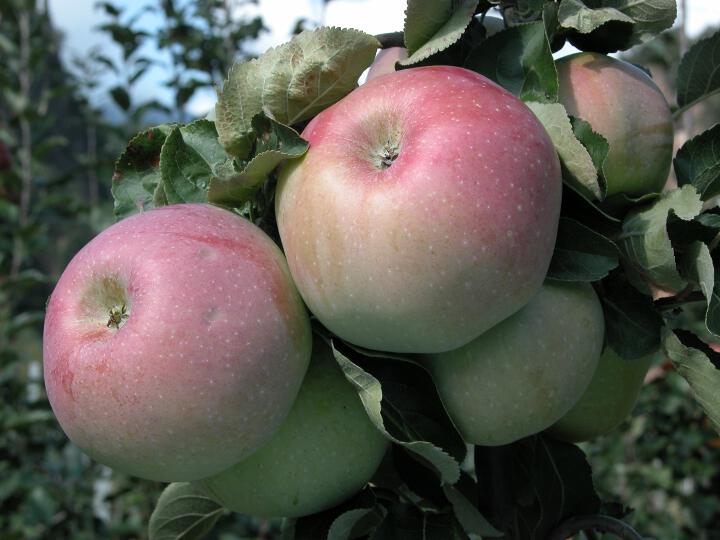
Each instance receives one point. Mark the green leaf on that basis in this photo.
(183, 512)
(555, 33)
(699, 72)
(472, 521)
(432, 26)
(407, 522)
(121, 97)
(292, 82)
(7, 46)
(645, 242)
(644, 19)
(701, 270)
(596, 145)
(137, 172)
(110, 8)
(577, 162)
(275, 144)
(190, 159)
(698, 163)
(235, 189)
(577, 15)
(202, 137)
(27, 418)
(537, 483)
(632, 325)
(371, 393)
(48, 144)
(23, 320)
(700, 373)
(581, 254)
(354, 518)
(271, 135)
(562, 478)
(185, 175)
(356, 523)
(9, 212)
(520, 60)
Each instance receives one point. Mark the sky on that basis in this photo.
(78, 19)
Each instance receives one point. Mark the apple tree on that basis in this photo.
(487, 243)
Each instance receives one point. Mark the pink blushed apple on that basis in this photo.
(424, 212)
(625, 106)
(175, 343)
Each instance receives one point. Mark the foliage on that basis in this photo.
(633, 233)
(55, 147)
(48, 486)
(664, 464)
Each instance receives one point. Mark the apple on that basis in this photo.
(524, 374)
(424, 212)
(175, 343)
(608, 400)
(324, 453)
(385, 62)
(625, 106)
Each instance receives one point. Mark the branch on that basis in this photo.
(671, 302)
(391, 39)
(594, 523)
(680, 110)
(25, 152)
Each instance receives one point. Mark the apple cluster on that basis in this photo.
(422, 220)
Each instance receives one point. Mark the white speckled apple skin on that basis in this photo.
(209, 361)
(524, 374)
(324, 453)
(625, 106)
(450, 239)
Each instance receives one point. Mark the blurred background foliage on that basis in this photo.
(56, 155)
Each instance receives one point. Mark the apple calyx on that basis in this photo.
(106, 302)
(387, 155)
(118, 316)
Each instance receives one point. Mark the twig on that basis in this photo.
(25, 153)
(595, 523)
(391, 39)
(671, 302)
(714, 243)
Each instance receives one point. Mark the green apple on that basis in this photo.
(524, 374)
(625, 106)
(325, 452)
(609, 399)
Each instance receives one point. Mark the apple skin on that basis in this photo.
(324, 453)
(625, 106)
(524, 374)
(385, 62)
(424, 212)
(607, 402)
(209, 360)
